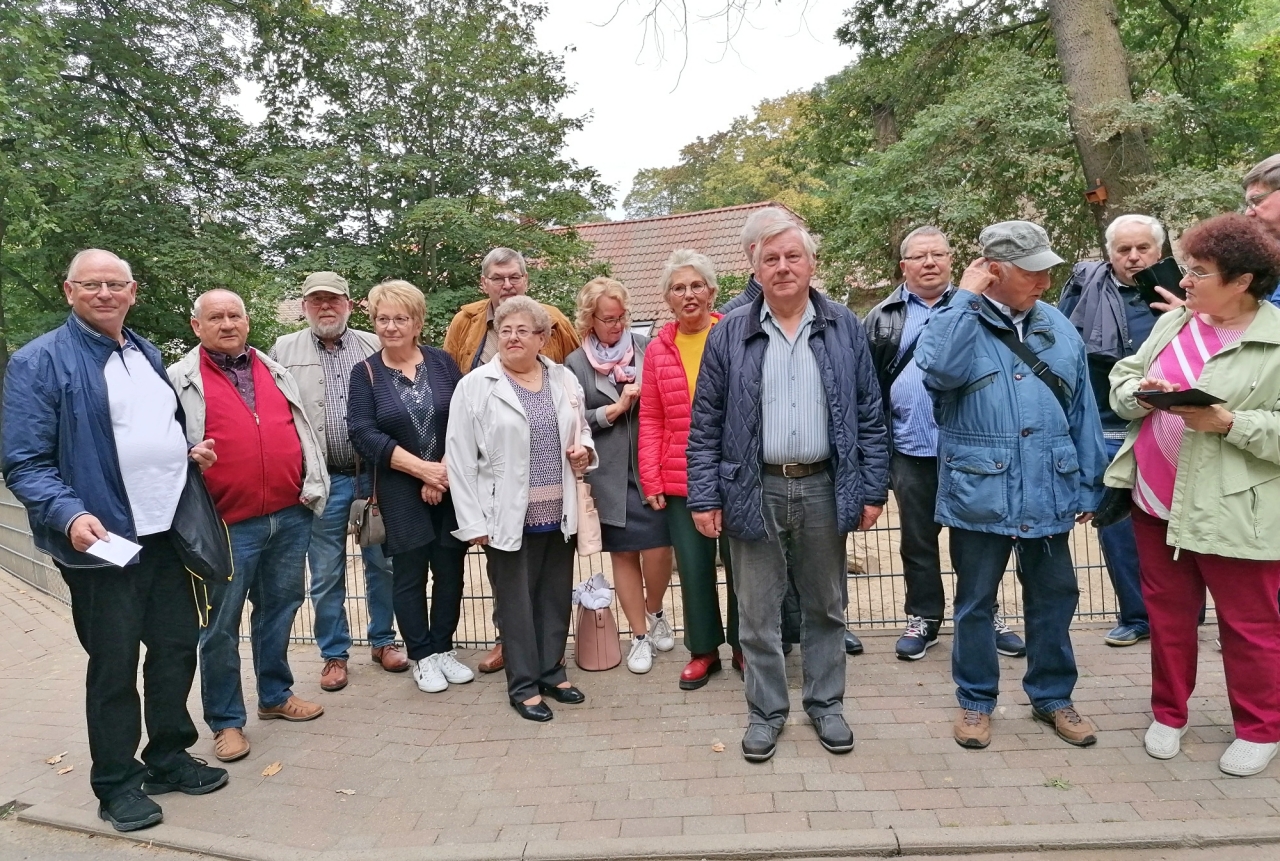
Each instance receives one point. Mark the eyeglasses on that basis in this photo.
(928, 255)
(96, 286)
(522, 334)
(495, 280)
(400, 322)
(322, 299)
(697, 288)
(611, 321)
(1199, 276)
(1253, 201)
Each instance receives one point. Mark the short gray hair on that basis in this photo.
(1156, 228)
(757, 221)
(777, 229)
(81, 255)
(499, 256)
(696, 260)
(523, 305)
(195, 306)
(1265, 173)
(919, 233)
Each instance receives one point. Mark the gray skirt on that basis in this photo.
(645, 529)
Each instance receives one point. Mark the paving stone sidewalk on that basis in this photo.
(389, 766)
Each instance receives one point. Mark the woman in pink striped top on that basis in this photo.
(1206, 486)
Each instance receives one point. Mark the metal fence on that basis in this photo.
(876, 591)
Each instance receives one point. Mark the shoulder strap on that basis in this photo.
(900, 364)
(373, 467)
(1015, 345)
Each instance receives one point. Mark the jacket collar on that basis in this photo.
(1265, 328)
(823, 314)
(99, 342)
(667, 334)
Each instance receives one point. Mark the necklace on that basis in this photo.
(530, 377)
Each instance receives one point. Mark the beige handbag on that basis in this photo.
(589, 541)
(596, 646)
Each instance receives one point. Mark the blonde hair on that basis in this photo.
(589, 299)
(396, 291)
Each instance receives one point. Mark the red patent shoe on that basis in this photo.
(739, 662)
(699, 670)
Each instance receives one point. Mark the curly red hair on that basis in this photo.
(1237, 244)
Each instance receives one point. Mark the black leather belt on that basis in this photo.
(797, 470)
(346, 470)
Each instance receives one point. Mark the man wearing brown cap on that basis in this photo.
(1020, 461)
(320, 358)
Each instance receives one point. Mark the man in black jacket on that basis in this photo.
(892, 328)
(1102, 302)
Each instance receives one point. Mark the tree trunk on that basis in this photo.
(886, 126)
(1096, 76)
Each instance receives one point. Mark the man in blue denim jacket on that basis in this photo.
(1019, 464)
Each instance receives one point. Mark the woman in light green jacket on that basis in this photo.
(1205, 493)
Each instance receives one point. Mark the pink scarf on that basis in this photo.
(618, 360)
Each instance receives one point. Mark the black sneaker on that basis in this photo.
(1008, 643)
(916, 640)
(193, 777)
(131, 810)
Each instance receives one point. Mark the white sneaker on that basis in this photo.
(1244, 758)
(660, 633)
(640, 660)
(1163, 742)
(426, 673)
(456, 672)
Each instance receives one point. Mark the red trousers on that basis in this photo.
(1244, 595)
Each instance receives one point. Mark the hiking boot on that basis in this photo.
(972, 729)
(1070, 726)
(916, 640)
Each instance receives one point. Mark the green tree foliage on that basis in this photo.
(755, 159)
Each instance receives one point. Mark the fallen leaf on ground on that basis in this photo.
(56, 758)
(273, 768)
(65, 770)
(346, 791)
(717, 745)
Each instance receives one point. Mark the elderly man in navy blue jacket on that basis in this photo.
(1020, 457)
(93, 443)
(788, 454)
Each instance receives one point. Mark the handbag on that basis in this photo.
(596, 647)
(365, 518)
(1116, 505)
(589, 539)
(200, 534)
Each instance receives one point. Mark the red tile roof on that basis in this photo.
(637, 250)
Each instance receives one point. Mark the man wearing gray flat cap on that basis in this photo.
(1020, 460)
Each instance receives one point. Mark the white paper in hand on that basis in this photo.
(118, 551)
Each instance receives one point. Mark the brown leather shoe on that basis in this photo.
(334, 675)
(230, 744)
(294, 709)
(392, 658)
(972, 729)
(1070, 726)
(493, 661)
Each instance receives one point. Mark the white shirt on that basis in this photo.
(150, 444)
(1018, 318)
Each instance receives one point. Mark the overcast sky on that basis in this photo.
(643, 110)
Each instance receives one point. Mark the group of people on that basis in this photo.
(761, 435)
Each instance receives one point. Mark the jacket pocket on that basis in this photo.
(1066, 481)
(728, 476)
(975, 483)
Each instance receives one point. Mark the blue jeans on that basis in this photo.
(1120, 552)
(1050, 594)
(269, 553)
(328, 561)
(800, 516)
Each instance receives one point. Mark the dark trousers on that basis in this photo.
(915, 485)
(115, 610)
(705, 628)
(535, 585)
(1120, 552)
(1050, 594)
(428, 631)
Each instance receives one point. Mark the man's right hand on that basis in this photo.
(85, 531)
(977, 278)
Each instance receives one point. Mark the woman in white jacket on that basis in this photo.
(516, 440)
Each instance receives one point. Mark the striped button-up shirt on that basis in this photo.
(794, 403)
(336, 365)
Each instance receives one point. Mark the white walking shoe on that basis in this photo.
(1244, 758)
(426, 672)
(660, 633)
(640, 660)
(1163, 742)
(454, 671)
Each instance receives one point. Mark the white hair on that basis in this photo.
(195, 306)
(777, 229)
(1156, 228)
(758, 221)
(695, 260)
(81, 255)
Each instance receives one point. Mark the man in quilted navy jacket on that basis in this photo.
(788, 454)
